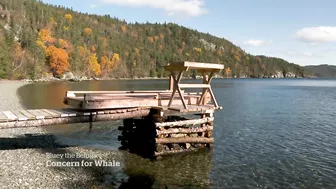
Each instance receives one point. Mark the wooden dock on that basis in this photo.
(47, 117)
(156, 123)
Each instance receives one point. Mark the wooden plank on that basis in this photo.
(3, 117)
(87, 113)
(77, 119)
(10, 115)
(185, 122)
(60, 113)
(194, 85)
(184, 130)
(74, 101)
(193, 108)
(202, 140)
(194, 65)
(200, 65)
(100, 112)
(115, 92)
(116, 103)
(45, 114)
(129, 94)
(27, 114)
(51, 113)
(20, 116)
(37, 114)
(71, 113)
(67, 112)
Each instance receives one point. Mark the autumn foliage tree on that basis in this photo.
(108, 65)
(45, 38)
(58, 60)
(88, 31)
(68, 17)
(94, 65)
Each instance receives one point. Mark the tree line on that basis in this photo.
(40, 40)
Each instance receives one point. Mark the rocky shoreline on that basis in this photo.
(70, 77)
(23, 155)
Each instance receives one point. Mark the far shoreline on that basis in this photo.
(30, 81)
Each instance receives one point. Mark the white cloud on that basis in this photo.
(295, 53)
(307, 54)
(256, 43)
(92, 6)
(317, 34)
(172, 7)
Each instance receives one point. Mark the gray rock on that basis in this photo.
(68, 76)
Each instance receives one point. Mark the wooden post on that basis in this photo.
(205, 91)
(171, 82)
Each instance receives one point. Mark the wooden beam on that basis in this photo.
(176, 79)
(204, 100)
(184, 130)
(194, 85)
(171, 83)
(194, 108)
(202, 140)
(185, 122)
(194, 65)
(213, 98)
(113, 92)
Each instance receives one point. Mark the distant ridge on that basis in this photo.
(322, 70)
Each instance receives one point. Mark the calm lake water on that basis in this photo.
(270, 134)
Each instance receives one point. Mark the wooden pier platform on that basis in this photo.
(47, 117)
(155, 122)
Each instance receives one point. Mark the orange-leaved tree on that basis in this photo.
(68, 17)
(88, 31)
(45, 38)
(108, 65)
(58, 60)
(94, 65)
(105, 62)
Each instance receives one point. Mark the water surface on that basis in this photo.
(272, 133)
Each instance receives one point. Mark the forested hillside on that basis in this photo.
(324, 70)
(39, 40)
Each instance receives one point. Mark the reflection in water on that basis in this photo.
(50, 95)
(190, 170)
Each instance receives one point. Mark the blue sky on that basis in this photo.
(300, 31)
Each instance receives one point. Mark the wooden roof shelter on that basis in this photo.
(178, 68)
(162, 99)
